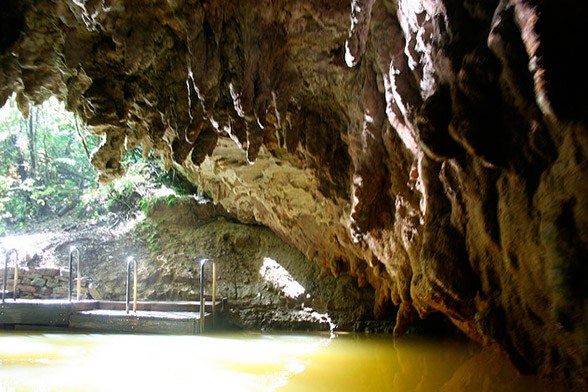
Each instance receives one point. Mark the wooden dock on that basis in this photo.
(110, 316)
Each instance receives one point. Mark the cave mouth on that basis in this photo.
(50, 158)
(416, 153)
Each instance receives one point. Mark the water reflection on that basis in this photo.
(410, 364)
(250, 362)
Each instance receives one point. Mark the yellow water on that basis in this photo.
(36, 361)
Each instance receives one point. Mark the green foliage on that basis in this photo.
(144, 183)
(122, 194)
(152, 168)
(45, 170)
(45, 166)
(148, 203)
(150, 231)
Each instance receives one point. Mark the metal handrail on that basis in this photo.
(73, 250)
(4, 278)
(203, 262)
(131, 262)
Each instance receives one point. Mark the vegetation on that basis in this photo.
(144, 182)
(45, 170)
(45, 162)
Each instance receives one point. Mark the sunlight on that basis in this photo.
(126, 226)
(280, 278)
(7, 110)
(284, 282)
(243, 362)
(142, 362)
(164, 191)
(27, 244)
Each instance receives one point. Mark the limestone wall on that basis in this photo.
(42, 283)
(436, 150)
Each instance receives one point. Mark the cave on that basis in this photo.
(434, 151)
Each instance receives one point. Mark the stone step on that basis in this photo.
(159, 322)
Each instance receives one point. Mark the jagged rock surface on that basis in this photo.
(433, 149)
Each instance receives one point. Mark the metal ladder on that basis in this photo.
(5, 277)
(203, 262)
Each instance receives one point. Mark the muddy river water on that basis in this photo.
(63, 361)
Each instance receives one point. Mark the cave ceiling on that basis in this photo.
(434, 149)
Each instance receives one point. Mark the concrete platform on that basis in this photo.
(144, 321)
(181, 317)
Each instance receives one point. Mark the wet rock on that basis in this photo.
(39, 282)
(362, 133)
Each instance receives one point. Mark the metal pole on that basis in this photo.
(15, 278)
(73, 250)
(131, 263)
(202, 299)
(128, 286)
(203, 262)
(135, 287)
(5, 276)
(70, 275)
(79, 285)
(213, 291)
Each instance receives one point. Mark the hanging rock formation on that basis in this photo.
(433, 149)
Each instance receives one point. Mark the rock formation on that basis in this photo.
(433, 149)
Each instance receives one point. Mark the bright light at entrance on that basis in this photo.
(281, 279)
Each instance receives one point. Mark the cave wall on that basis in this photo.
(266, 283)
(436, 150)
